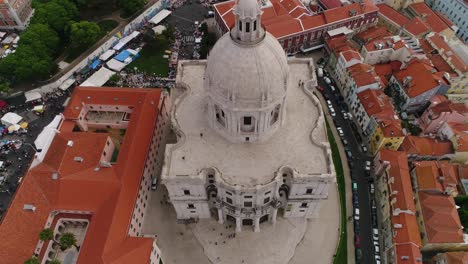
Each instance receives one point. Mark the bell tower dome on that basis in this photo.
(248, 24)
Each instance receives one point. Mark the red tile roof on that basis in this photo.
(439, 43)
(375, 101)
(407, 253)
(329, 4)
(424, 146)
(408, 232)
(417, 27)
(392, 14)
(109, 194)
(288, 17)
(436, 175)
(349, 55)
(434, 21)
(441, 219)
(399, 171)
(422, 79)
(372, 33)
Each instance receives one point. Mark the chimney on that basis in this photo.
(78, 159)
(29, 207)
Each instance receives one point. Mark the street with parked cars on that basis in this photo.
(366, 240)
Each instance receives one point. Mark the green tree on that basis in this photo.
(129, 7)
(54, 261)
(27, 63)
(114, 79)
(67, 240)
(58, 14)
(84, 34)
(46, 234)
(5, 87)
(40, 37)
(32, 260)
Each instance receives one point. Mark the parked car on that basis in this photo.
(355, 189)
(364, 148)
(345, 142)
(377, 250)
(355, 200)
(344, 114)
(357, 241)
(357, 228)
(320, 88)
(358, 254)
(340, 131)
(326, 96)
(332, 112)
(372, 189)
(367, 166)
(327, 80)
(154, 184)
(349, 154)
(356, 213)
(319, 72)
(332, 88)
(375, 234)
(321, 61)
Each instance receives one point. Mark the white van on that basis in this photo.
(319, 72)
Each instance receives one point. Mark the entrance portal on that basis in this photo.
(230, 218)
(263, 218)
(247, 222)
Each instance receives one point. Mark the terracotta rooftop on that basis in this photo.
(417, 27)
(372, 33)
(422, 79)
(439, 43)
(108, 194)
(288, 17)
(399, 171)
(363, 74)
(375, 101)
(436, 175)
(430, 18)
(456, 257)
(441, 219)
(329, 4)
(339, 44)
(405, 229)
(449, 107)
(350, 55)
(407, 253)
(423, 146)
(390, 124)
(392, 14)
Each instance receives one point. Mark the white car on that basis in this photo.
(372, 189)
(319, 72)
(356, 214)
(368, 166)
(377, 249)
(375, 234)
(364, 148)
(327, 80)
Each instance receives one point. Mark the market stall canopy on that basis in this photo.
(159, 29)
(160, 16)
(99, 78)
(13, 128)
(24, 125)
(45, 138)
(2, 34)
(66, 84)
(32, 96)
(116, 65)
(11, 118)
(95, 63)
(123, 41)
(106, 55)
(39, 108)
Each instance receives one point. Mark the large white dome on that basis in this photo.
(247, 76)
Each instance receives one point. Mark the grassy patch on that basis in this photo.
(341, 255)
(151, 60)
(107, 25)
(115, 155)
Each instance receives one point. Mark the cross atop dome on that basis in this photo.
(248, 27)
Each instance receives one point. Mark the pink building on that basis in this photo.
(15, 14)
(437, 114)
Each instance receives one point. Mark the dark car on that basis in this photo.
(355, 200)
(357, 241)
(321, 61)
(357, 229)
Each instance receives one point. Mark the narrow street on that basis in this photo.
(358, 175)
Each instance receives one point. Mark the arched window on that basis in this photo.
(220, 117)
(274, 114)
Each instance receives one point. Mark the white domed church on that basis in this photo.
(251, 140)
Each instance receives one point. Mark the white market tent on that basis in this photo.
(160, 16)
(123, 41)
(45, 138)
(66, 84)
(11, 118)
(159, 29)
(99, 78)
(2, 34)
(8, 40)
(32, 96)
(106, 55)
(116, 65)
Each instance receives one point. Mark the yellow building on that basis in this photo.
(387, 135)
(459, 85)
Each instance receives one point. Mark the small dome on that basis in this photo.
(247, 8)
(247, 75)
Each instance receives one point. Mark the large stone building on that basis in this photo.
(251, 141)
(15, 14)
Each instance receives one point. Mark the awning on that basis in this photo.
(32, 96)
(159, 29)
(66, 84)
(160, 16)
(13, 128)
(2, 34)
(45, 138)
(122, 56)
(99, 78)
(11, 118)
(106, 55)
(95, 64)
(116, 65)
(123, 41)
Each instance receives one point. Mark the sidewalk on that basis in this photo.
(347, 177)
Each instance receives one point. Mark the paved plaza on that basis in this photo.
(293, 241)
